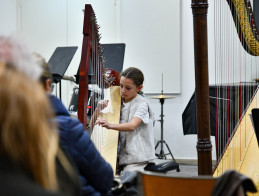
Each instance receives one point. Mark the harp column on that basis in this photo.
(204, 146)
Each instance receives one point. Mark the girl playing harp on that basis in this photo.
(136, 140)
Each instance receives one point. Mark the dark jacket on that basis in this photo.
(95, 173)
(16, 181)
(233, 183)
(68, 181)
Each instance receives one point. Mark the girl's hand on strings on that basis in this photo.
(102, 122)
(102, 104)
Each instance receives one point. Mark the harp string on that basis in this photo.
(235, 68)
(100, 92)
(92, 55)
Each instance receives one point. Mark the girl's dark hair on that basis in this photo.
(135, 74)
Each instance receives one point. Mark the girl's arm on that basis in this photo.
(130, 126)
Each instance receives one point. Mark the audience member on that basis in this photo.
(28, 140)
(14, 51)
(95, 173)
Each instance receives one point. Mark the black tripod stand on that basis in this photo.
(162, 154)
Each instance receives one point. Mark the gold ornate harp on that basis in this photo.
(240, 146)
(236, 94)
(241, 151)
(104, 84)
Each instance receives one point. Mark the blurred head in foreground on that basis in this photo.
(13, 50)
(27, 137)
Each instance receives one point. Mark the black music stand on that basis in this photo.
(59, 62)
(113, 55)
(162, 154)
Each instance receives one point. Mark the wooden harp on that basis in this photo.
(106, 83)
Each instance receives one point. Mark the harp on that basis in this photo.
(241, 144)
(241, 152)
(105, 84)
(240, 147)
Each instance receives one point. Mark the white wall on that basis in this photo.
(63, 34)
(47, 24)
(7, 17)
(184, 147)
(151, 31)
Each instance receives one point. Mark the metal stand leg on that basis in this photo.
(162, 154)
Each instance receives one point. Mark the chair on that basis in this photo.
(157, 185)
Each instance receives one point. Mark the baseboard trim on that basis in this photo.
(190, 161)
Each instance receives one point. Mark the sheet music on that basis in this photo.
(107, 96)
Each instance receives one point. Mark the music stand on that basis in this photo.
(113, 55)
(59, 62)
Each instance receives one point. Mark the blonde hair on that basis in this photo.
(27, 135)
(43, 64)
